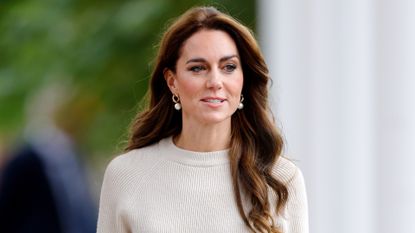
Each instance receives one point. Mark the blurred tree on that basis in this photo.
(101, 50)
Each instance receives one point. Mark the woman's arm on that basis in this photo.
(297, 207)
(109, 218)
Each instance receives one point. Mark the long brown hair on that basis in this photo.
(255, 142)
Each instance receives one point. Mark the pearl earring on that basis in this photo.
(176, 101)
(241, 105)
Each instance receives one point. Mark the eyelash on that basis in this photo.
(197, 68)
(229, 68)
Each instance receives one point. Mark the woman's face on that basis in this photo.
(208, 77)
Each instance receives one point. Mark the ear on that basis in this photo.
(170, 78)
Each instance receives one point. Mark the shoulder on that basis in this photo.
(134, 155)
(132, 163)
(285, 170)
(296, 211)
(292, 177)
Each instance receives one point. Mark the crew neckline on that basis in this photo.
(192, 158)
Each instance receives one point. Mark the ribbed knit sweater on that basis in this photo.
(162, 188)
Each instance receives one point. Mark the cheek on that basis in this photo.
(237, 85)
(187, 88)
(235, 90)
(240, 84)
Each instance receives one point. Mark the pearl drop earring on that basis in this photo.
(241, 105)
(176, 101)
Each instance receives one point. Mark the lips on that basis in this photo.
(213, 100)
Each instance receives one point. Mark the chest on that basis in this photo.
(183, 199)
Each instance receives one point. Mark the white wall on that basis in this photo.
(344, 92)
(395, 103)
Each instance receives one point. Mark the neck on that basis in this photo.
(204, 138)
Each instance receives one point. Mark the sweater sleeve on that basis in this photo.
(297, 207)
(109, 218)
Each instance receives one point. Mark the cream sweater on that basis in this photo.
(162, 188)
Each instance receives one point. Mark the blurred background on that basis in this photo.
(72, 76)
(96, 55)
(73, 73)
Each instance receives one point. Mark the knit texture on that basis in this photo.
(162, 188)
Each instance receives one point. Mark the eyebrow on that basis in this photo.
(199, 59)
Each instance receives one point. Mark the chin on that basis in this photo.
(216, 119)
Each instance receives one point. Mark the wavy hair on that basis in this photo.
(255, 143)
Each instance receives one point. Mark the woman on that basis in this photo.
(205, 156)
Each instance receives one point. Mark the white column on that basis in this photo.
(396, 110)
(321, 58)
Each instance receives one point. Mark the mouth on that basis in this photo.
(213, 100)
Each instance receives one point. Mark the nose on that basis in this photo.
(214, 80)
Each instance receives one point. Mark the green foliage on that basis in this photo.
(101, 51)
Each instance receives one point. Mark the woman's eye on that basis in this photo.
(196, 68)
(230, 68)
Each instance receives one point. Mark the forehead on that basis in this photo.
(208, 44)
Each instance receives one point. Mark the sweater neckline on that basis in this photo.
(192, 158)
